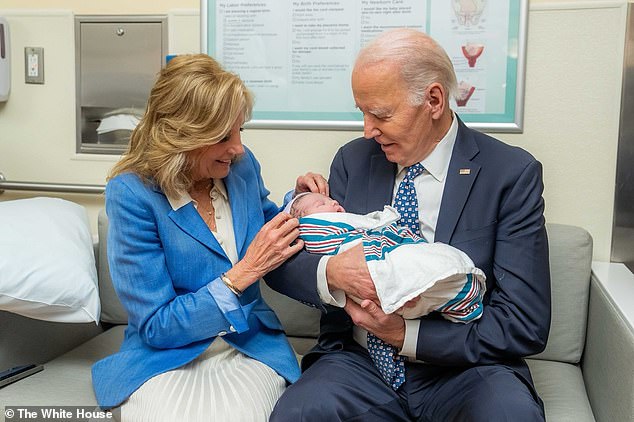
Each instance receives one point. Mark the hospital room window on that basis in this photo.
(117, 59)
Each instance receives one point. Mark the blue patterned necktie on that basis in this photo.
(390, 364)
(405, 200)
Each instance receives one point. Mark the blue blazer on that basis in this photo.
(493, 212)
(165, 266)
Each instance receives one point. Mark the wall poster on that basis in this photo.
(297, 55)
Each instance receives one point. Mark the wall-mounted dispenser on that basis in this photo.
(117, 60)
(5, 60)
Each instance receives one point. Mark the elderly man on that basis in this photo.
(453, 185)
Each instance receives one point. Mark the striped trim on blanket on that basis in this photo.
(378, 243)
(326, 238)
(467, 305)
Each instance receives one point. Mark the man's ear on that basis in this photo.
(436, 100)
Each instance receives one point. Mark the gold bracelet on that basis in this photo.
(230, 284)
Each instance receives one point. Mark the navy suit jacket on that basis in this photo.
(494, 214)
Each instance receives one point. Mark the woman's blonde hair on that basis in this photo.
(194, 103)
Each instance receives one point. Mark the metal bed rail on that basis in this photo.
(50, 187)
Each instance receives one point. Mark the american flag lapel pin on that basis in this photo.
(465, 171)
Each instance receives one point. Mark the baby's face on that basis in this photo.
(313, 203)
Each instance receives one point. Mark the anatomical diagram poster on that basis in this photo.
(297, 55)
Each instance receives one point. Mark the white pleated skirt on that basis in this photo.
(220, 385)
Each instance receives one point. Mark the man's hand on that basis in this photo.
(408, 305)
(389, 328)
(311, 182)
(348, 271)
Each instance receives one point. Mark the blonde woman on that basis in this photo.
(191, 232)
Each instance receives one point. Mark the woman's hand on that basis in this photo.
(272, 245)
(312, 182)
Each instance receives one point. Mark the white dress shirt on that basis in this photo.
(429, 189)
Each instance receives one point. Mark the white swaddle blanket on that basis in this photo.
(401, 264)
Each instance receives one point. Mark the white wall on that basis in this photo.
(572, 102)
(573, 95)
(37, 124)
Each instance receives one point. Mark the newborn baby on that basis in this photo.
(403, 266)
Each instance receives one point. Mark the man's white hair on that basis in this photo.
(422, 61)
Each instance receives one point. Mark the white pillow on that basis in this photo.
(47, 263)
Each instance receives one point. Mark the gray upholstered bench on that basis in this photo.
(589, 355)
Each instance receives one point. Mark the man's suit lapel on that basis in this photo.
(460, 177)
(380, 182)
